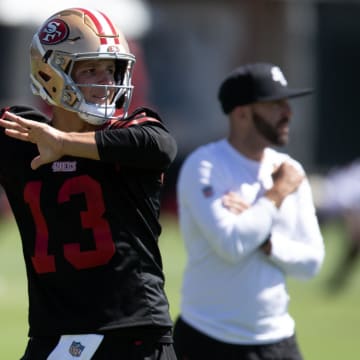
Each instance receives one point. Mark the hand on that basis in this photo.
(49, 140)
(234, 203)
(266, 246)
(286, 179)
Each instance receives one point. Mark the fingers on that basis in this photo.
(234, 203)
(10, 125)
(36, 162)
(16, 126)
(18, 119)
(15, 130)
(288, 172)
(14, 122)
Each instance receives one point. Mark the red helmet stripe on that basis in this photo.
(109, 22)
(116, 39)
(103, 25)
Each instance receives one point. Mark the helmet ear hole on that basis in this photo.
(120, 68)
(44, 76)
(120, 102)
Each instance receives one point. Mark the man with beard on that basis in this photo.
(248, 221)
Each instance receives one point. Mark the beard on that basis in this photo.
(271, 132)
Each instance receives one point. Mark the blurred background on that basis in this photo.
(184, 48)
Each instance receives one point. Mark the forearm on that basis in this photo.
(80, 145)
(300, 251)
(233, 236)
(137, 146)
(295, 257)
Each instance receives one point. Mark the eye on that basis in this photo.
(89, 71)
(275, 104)
(111, 70)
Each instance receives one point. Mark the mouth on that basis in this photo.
(283, 129)
(283, 124)
(102, 98)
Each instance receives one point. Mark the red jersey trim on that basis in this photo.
(125, 124)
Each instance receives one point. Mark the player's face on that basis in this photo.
(271, 120)
(97, 72)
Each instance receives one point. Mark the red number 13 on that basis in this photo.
(91, 219)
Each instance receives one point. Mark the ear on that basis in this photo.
(241, 111)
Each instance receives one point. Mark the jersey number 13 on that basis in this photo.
(90, 219)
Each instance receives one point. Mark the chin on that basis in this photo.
(281, 141)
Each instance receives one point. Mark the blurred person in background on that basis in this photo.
(248, 221)
(339, 200)
(84, 188)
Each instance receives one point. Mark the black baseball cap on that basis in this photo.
(255, 82)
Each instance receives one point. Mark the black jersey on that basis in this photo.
(90, 229)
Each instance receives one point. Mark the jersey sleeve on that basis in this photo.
(141, 141)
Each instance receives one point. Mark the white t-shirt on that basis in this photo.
(231, 290)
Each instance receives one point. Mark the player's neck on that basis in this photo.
(68, 121)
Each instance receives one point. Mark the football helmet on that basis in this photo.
(73, 35)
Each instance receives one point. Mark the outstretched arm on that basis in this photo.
(52, 143)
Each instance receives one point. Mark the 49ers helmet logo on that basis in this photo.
(53, 32)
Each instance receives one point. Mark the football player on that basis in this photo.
(84, 188)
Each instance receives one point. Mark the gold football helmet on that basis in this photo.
(73, 35)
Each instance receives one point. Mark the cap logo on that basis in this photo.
(53, 32)
(278, 76)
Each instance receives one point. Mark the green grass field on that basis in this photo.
(328, 325)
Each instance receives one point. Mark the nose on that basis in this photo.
(105, 78)
(286, 108)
